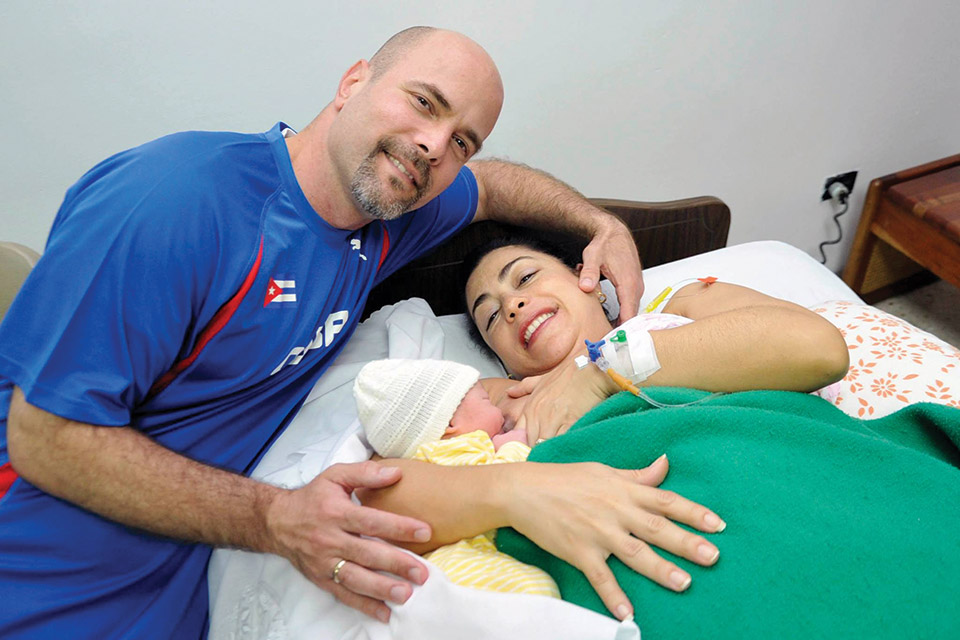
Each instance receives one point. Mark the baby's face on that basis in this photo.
(475, 412)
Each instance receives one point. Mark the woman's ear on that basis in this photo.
(353, 80)
(577, 271)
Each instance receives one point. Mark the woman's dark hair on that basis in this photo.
(517, 239)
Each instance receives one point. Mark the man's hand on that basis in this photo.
(555, 400)
(583, 513)
(613, 254)
(318, 525)
(516, 194)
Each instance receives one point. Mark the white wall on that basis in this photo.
(753, 101)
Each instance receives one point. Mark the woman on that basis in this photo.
(833, 519)
(526, 306)
(585, 513)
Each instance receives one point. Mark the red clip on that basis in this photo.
(709, 280)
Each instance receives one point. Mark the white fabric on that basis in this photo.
(260, 596)
(404, 403)
(774, 268)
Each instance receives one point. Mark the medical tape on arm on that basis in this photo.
(629, 353)
(632, 353)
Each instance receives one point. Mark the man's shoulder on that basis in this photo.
(179, 175)
(192, 189)
(191, 157)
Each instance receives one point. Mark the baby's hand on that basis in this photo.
(516, 435)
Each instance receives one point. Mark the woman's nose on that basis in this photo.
(514, 306)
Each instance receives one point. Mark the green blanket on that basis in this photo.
(836, 527)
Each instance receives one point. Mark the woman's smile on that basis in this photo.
(530, 310)
(530, 330)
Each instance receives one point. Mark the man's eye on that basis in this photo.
(423, 102)
(461, 144)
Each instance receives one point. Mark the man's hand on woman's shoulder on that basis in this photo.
(613, 253)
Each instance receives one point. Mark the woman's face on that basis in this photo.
(530, 310)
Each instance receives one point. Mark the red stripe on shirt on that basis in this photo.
(219, 321)
(385, 248)
(7, 477)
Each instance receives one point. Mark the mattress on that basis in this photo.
(256, 596)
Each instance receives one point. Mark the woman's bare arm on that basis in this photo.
(581, 513)
(743, 339)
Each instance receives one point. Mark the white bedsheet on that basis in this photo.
(261, 596)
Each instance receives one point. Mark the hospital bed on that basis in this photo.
(414, 314)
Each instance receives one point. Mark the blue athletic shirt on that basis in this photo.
(189, 290)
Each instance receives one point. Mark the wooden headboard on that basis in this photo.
(663, 231)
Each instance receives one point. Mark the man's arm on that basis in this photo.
(517, 194)
(122, 475)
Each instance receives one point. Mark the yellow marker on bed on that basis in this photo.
(656, 301)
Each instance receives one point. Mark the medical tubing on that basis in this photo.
(597, 358)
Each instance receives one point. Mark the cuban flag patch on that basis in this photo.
(281, 292)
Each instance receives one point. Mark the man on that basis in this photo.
(191, 292)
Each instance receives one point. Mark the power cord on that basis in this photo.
(838, 193)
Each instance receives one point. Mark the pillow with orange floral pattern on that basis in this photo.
(892, 363)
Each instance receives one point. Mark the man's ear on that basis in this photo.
(352, 81)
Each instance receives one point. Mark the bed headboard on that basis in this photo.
(663, 231)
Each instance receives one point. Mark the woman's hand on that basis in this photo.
(555, 400)
(583, 513)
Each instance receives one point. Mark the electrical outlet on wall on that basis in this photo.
(846, 179)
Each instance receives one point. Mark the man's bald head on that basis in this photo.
(406, 42)
(394, 48)
(402, 125)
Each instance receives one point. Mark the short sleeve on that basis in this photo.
(419, 232)
(107, 308)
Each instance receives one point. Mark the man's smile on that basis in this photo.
(403, 168)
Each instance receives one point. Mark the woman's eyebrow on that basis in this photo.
(503, 274)
(506, 267)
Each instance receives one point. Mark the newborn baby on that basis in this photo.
(404, 404)
(439, 412)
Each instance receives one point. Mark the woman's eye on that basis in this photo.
(526, 277)
(490, 320)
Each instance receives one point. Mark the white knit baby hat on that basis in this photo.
(405, 403)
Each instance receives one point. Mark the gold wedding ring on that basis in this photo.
(336, 571)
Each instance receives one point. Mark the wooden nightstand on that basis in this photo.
(910, 222)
